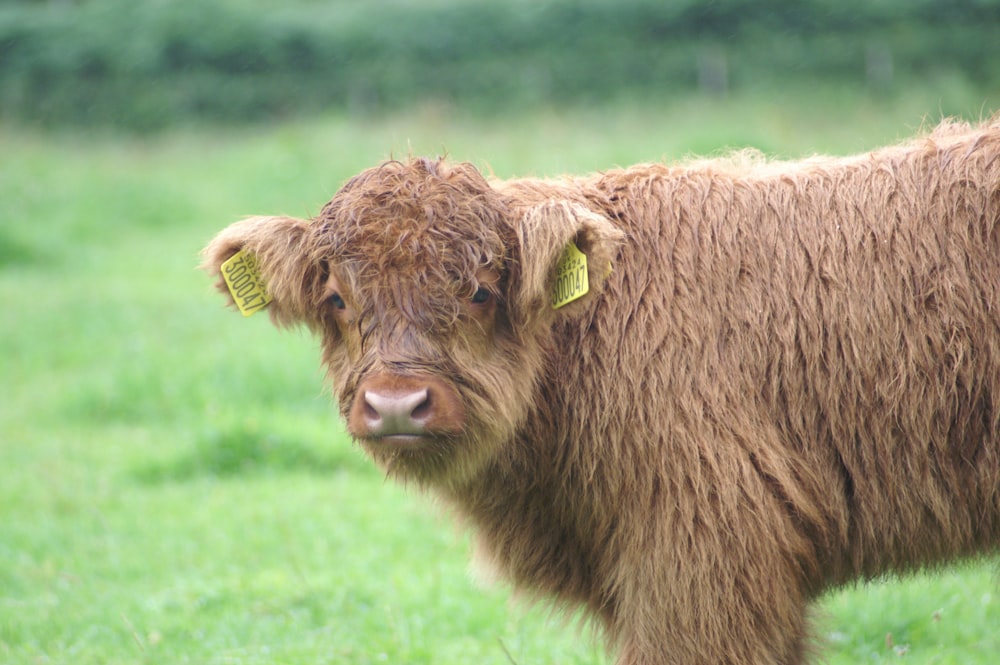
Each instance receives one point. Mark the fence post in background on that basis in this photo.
(878, 66)
(713, 71)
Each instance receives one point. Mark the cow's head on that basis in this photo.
(431, 292)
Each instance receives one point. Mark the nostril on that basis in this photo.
(372, 415)
(422, 410)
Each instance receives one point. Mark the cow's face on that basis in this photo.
(431, 292)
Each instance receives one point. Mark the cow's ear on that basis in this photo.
(552, 237)
(275, 246)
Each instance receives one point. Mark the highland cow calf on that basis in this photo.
(689, 399)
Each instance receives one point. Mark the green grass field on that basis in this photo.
(174, 484)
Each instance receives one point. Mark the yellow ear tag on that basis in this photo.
(245, 284)
(571, 277)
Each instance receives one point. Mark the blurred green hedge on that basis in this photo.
(146, 64)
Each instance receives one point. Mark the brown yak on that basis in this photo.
(778, 377)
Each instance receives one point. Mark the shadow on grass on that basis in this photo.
(243, 450)
(17, 252)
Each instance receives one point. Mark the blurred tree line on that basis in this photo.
(145, 64)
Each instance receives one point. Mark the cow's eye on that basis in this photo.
(336, 301)
(481, 295)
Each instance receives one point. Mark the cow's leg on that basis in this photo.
(722, 580)
(746, 625)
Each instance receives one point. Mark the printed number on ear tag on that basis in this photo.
(571, 277)
(245, 284)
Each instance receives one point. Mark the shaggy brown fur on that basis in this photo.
(790, 378)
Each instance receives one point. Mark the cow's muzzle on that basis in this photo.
(405, 409)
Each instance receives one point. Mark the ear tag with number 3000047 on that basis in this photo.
(242, 276)
(571, 277)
